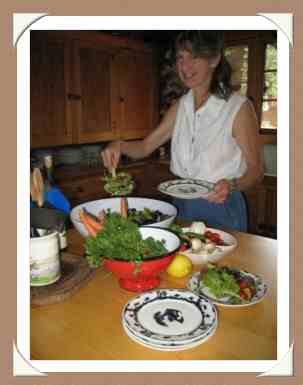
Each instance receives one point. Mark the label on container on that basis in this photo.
(44, 273)
(44, 260)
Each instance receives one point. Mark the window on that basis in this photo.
(269, 100)
(238, 59)
(253, 58)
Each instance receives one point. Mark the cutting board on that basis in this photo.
(75, 273)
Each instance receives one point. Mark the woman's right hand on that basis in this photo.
(111, 155)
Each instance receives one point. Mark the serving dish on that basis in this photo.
(113, 204)
(214, 254)
(142, 276)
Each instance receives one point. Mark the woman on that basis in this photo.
(213, 132)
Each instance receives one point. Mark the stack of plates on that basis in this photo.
(169, 319)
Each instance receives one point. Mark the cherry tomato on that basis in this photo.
(183, 247)
(208, 233)
(243, 284)
(247, 293)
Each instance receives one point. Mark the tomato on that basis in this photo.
(253, 291)
(243, 284)
(208, 233)
(183, 247)
(214, 237)
(248, 293)
(220, 242)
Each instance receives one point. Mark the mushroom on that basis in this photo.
(196, 244)
(198, 227)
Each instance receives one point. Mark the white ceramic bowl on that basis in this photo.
(114, 205)
(219, 253)
(172, 241)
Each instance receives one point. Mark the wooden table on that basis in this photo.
(88, 325)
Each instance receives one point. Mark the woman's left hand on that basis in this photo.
(221, 191)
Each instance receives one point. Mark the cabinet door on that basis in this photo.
(133, 93)
(50, 118)
(83, 189)
(92, 84)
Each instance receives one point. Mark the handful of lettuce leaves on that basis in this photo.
(222, 283)
(119, 185)
(121, 239)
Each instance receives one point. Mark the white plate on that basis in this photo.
(186, 188)
(196, 285)
(199, 258)
(169, 316)
(169, 347)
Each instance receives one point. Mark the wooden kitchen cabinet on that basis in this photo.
(50, 116)
(262, 208)
(92, 93)
(83, 189)
(86, 88)
(134, 93)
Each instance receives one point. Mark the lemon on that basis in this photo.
(180, 266)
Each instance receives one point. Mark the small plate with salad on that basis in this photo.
(228, 286)
(119, 184)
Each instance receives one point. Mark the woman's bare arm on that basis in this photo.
(138, 149)
(246, 134)
(142, 148)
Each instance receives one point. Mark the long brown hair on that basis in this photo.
(208, 44)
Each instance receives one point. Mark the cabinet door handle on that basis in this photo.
(74, 97)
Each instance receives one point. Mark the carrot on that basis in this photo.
(102, 216)
(83, 218)
(92, 220)
(123, 207)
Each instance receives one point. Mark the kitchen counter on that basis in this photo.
(82, 171)
(88, 325)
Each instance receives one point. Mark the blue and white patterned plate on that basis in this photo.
(169, 317)
(169, 347)
(195, 284)
(186, 188)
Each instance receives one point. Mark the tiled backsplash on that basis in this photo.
(86, 154)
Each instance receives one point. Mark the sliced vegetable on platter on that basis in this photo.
(203, 244)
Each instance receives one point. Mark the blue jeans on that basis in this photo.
(231, 214)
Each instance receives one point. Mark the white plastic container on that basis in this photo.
(45, 259)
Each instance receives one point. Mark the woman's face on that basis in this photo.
(193, 71)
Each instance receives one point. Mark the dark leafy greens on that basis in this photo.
(145, 216)
(121, 239)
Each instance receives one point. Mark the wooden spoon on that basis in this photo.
(39, 186)
(33, 190)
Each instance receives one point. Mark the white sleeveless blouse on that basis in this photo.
(202, 145)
